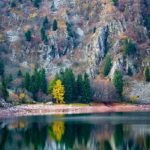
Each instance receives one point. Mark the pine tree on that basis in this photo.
(12, 4)
(35, 83)
(4, 89)
(43, 81)
(146, 74)
(36, 3)
(58, 92)
(55, 25)
(129, 47)
(51, 85)
(107, 65)
(28, 35)
(46, 23)
(115, 2)
(69, 29)
(2, 68)
(9, 78)
(19, 74)
(118, 82)
(27, 81)
(79, 84)
(87, 92)
(68, 80)
(43, 35)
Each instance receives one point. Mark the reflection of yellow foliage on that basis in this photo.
(57, 130)
(58, 92)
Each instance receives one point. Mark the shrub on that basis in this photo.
(133, 99)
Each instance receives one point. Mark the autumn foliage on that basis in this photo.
(58, 92)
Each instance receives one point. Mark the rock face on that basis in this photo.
(139, 90)
(87, 31)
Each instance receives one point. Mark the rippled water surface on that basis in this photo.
(111, 131)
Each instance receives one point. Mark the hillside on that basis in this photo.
(78, 34)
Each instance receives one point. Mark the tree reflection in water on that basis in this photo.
(60, 135)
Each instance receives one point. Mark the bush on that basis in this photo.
(133, 99)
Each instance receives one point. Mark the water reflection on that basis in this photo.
(65, 135)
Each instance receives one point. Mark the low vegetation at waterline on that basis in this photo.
(64, 87)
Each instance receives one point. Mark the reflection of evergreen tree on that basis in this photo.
(76, 132)
(118, 134)
(36, 135)
(107, 145)
(147, 141)
(4, 137)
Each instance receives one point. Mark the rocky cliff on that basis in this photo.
(87, 31)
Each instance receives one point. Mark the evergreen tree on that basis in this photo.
(19, 74)
(107, 65)
(46, 23)
(55, 25)
(79, 84)
(69, 29)
(68, 80)
(12, 4)
(9, 78)
(43, 81)
(35, 83)
(2, 68)
(4, 89)
(27, 81)
(51, 85)
(115, 2)
(129, 47)
(36, 3)
(28, 35)
(118, 82)
(43, 35)
(146, 74)
(87, 92)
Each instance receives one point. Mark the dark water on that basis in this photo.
(111, 131)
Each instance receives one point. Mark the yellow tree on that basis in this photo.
(58, 92)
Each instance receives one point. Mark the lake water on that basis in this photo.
(111, 131)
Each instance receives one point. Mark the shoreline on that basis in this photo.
(46, 109)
